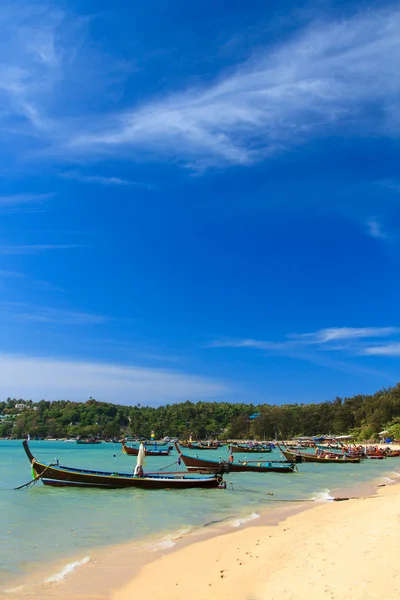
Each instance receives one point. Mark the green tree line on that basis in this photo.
(363, 415)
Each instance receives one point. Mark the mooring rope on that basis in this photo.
(35, 479)
(167, 467)
(338, 499)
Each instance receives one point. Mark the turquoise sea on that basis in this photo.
(42, 524)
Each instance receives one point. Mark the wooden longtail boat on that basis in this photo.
(201, 447)
(88, 442)
(298, 457)
(203, 465)
(57, 475)
(135, 451)
(255, 449)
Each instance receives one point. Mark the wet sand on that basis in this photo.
(337, 550)
(250, 562)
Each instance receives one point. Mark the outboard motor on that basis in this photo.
(224, 467)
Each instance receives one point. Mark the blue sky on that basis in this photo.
(199, 200)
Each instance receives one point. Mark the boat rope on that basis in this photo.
(240, 488)
(176, 462)
(35, 479)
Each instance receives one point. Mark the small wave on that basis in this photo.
(217, 521)
(14, 590)
(67, 570)
(243, 520)
(323, 496)
(169, 540)
(389, 479)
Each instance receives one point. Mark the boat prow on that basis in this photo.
(57, 475)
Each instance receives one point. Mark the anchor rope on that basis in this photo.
(240, 488)
(35, 479)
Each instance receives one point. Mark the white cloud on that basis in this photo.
(34, 248)
(25, 312)
(54, 379)
(347, 333)
(17, 199)
(329, 75)
(11, 274)
(332, 76)
(325, 339)
(387, 350)
(374, 229)
(246, 343)
(30, 65)
(101, 180)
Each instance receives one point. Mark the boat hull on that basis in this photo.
(201, 465)
(299, 457)
(242, 449)
(60, 476)
(135, 451)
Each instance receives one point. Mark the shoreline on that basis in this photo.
(112, 567)
(337, 550)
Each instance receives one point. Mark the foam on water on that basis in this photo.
(169, 540)
(67, 570)
(14, 590)
(323, 496)
(144, 516)
(243, 520)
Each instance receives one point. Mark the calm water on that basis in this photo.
(44, 523)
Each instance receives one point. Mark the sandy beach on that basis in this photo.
(334, 551)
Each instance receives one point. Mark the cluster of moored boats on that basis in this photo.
(201, 472)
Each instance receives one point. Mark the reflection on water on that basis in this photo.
(42, 523)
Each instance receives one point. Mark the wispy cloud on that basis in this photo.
(11, 274)
(327, 76)
(351, 340)
(128, 384)
(34, 248)
(322, 337)
(17, 199)
(101, 180)
(328, 348)
(25, 312)
(332, 76)
(375, 229)
(384, 350)
(345, 333)
(390, 184)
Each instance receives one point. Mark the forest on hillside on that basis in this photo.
(363, 415)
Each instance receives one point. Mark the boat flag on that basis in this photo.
(152, 435)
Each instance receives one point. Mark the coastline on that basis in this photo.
(116, 570)
(338, 550)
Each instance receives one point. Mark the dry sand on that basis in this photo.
(336, 551)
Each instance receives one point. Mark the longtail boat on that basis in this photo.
(88, 442)
(202, 465)
(254, 449)
(201, 447)
(57, 475)
(135, 451)
(298, 457)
